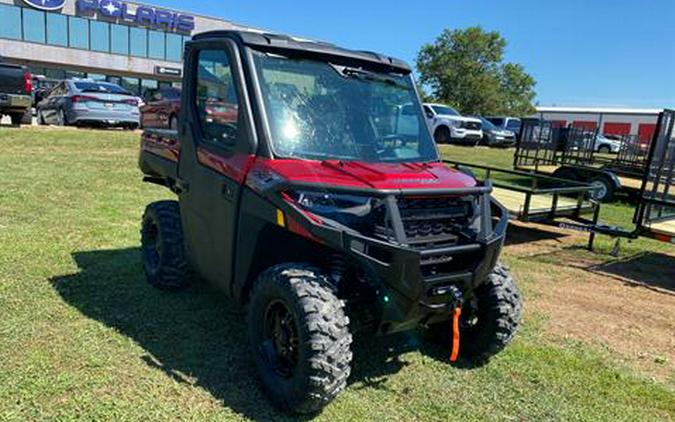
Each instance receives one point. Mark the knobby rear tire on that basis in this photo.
(163, 249)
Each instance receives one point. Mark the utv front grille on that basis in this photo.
(425, 223)
(430, 222)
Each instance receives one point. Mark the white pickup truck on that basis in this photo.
(448, 125)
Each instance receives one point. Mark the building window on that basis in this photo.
(148, 86)
(156, 45)
(139, 42)
(57, 29)
(79, 32)
(96, 76)
(55, 73)
(34, 26)
(131, 84)
(75, 74)
(174, 47)
(100, 36)
(185, 39)
(10, 22)
(119, 39)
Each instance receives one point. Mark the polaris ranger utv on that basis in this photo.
(300, 198)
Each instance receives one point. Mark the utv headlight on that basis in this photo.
(328, 204)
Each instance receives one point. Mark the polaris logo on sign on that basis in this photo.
(142, 15)
(46, 4)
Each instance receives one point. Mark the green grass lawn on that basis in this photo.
(83, 336)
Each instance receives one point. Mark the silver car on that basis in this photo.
(88, 102)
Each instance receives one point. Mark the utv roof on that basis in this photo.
(289, 44)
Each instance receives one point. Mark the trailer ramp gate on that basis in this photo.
(655, 214)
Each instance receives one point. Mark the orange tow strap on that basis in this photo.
(455, 334)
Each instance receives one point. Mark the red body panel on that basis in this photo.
(368, 175)
(157, 112)
(165, 147)
(353, 174)
(235, 167)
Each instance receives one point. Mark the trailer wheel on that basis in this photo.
(604, 189)
(164, 259)
(299, 338)
(442, 135)
(490, 319)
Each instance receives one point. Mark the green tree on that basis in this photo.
(465, 68)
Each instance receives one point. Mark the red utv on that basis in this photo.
(306, 202)
(161, 109)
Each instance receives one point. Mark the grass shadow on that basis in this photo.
(198, 337)
(648, 269)
(519, 234)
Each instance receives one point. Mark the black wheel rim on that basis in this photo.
(152, 247)
(280, 339)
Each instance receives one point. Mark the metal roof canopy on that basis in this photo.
(289, 45)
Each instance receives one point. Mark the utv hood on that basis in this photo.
(379, 176)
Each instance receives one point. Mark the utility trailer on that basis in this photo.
(655, 191)
(537, 191)
(540, 198)
(570, 153)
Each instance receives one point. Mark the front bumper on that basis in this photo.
(501, 140)
(110, 118)
(15, 102)
(414, 298)
(466, 134)
(415, 283)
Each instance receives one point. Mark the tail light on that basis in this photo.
(131, 102)
(82, 98)
(28, 83)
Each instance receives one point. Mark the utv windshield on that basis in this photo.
(327, 111)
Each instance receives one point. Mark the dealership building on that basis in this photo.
(135, 45)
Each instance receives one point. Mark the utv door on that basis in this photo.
(216, 149)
